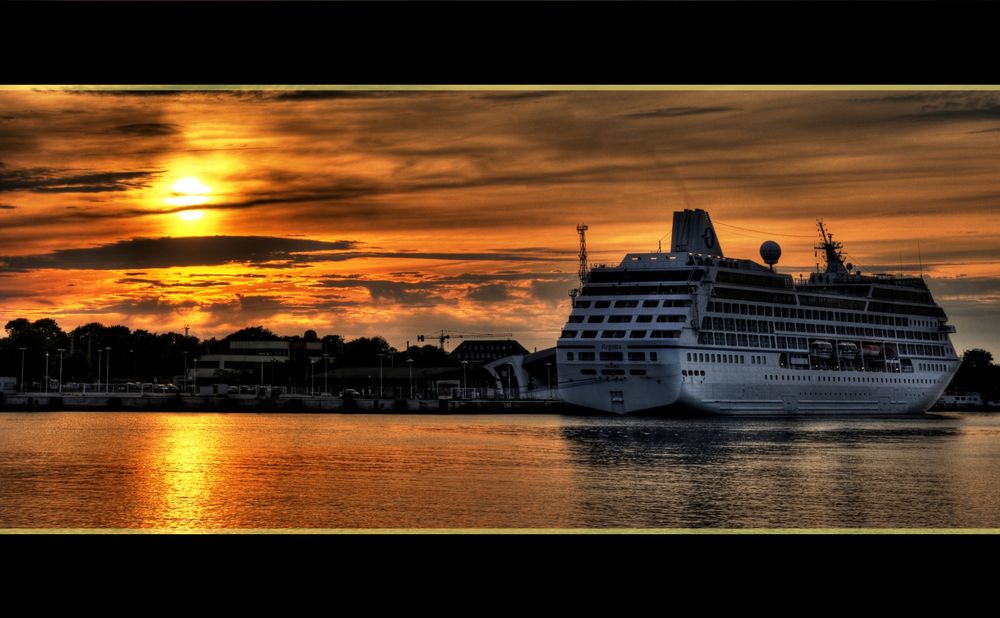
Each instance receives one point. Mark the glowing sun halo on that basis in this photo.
(189, 191)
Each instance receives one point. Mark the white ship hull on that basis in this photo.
(758, 390)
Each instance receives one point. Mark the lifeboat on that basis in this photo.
(822, 349)
(871, 349)
(847, 350)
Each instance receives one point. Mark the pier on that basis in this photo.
(174, 402)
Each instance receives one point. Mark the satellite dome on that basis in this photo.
(770, 251)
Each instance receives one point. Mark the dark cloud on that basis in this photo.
(352, 255)
(993, 130)
(493, 292)
(150, 305)
(160, 284)
(969, 289)
(516, 96)
(553, 291)
(168, 252)
(7, 207)
(325, 95)
(47, 180)
(147, 129)
(676, 112)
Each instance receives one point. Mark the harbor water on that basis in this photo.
(162, 470)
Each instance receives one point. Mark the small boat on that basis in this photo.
(847, 350)
(822, 349)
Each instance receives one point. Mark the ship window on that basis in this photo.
(754, 341)
(614, 334)
(730, 339)
(640, 356)
(626, 303)
(619, 318)
(589, 334)
(568, 334)
(602, 304)
(637, 372)
(643, 318)
(582, 304)
(589, 372)
(701, 357)
(665, 334)
(712, 358)
(586, 356)
(689, 357)
(653, 303)
(569, 356)
(720, 339)
(575, 319)
(743, 340)
(594, 319)
(637, 334)
(611, 356)
(768, 311)
(652, 356)
(727, 308)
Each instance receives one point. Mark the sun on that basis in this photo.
(191, 215)
(189, 191)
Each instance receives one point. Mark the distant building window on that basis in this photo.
(586, 356)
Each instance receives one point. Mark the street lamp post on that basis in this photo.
(465, 384)
(196, 376)
(409, 362)
(107, 373)
(100, 363)
(186, 387)
(312, 377)
(326, 371)
(261, 354)
(46, 372)
(61, 350)
(380, 357)
(548, 372)
(22, 368)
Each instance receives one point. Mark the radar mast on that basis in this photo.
(831, 251)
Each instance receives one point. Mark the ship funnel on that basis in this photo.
(693, 233)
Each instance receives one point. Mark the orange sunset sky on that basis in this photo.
(399, 213)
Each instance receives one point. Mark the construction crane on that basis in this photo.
(442, 337)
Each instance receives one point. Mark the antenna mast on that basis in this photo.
(581, 229)
(920, 259)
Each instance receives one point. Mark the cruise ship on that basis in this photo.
(696, 331)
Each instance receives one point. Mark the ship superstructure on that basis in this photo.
(693, 330)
